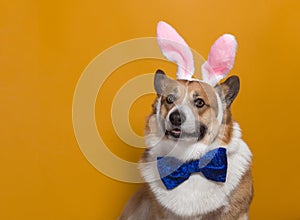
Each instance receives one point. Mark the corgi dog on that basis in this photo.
(196, 165)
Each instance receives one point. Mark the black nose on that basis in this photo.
(177, 118)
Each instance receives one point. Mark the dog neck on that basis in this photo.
(197, 195)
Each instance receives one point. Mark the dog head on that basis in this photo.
(192, 110)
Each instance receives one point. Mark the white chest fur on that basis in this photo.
(198, 195)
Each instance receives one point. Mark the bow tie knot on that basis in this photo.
(213, 165)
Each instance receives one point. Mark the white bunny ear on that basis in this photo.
(220, 59)
(175, 49)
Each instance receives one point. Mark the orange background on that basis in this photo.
(45, 46)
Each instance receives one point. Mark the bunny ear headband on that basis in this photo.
(220, 59)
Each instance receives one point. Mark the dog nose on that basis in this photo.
(177, 118)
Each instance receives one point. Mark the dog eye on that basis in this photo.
(199, 103)
(170, 99)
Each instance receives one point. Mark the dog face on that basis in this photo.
(190, 110)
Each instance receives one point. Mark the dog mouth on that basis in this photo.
(178, 133)
(175, 132)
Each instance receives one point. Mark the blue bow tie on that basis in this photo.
(173, 172)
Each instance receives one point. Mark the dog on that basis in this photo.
(191, 126)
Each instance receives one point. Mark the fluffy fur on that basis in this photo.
(196, 198)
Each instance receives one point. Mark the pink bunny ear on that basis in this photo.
(175, 49)
(220, 59)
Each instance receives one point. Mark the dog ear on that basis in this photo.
(175, 49)
(220, 59)
(160, 79)
(229, 89)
